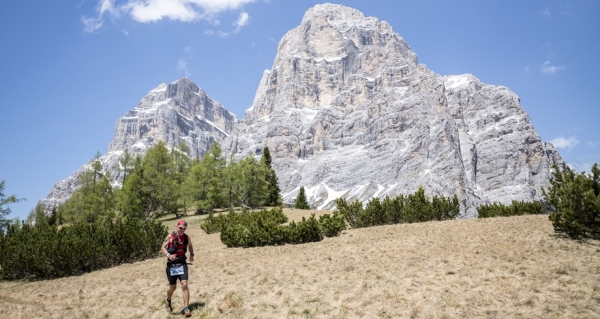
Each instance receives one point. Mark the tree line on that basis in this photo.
(167, 181)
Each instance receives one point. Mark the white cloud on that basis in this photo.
(548, 68)
(91, 24)
(242, 21)
(182, 66)
(565, 143)
(592, 144)
(584, 164)
(545, 12)
(567, 13)
(154, 10)
(145, 11)
(107, 6)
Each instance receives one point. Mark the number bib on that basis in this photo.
(176, 270)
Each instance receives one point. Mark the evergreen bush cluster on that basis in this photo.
(574, 202)
(412, 208)
(265, 227)
(514, 209)
(44, 251)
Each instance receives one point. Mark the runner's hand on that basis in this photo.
(192, 258)
(172, 257)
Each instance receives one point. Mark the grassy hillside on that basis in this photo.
(493, 268)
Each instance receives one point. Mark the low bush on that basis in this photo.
(44, 251)
(411, 208)
(215, 223)
(514, 209)
(265, 228)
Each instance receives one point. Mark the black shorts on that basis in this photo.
(173, 279)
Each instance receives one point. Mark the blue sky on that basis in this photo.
(70, 69)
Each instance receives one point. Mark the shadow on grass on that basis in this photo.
(196, 305)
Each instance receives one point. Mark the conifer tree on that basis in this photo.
(38, 216)
(4, 209)
(158, 182)
(205, 184)
(301, 201)
(253, 182)
(126, 164)
(232, 185)
(182, 166)
(273, 196)
(93, 199)
(574, 202)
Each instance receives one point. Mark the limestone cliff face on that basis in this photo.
(347, 111)
(173, 113)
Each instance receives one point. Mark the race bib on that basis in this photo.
(177, 270)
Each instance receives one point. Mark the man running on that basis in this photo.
(174, 247)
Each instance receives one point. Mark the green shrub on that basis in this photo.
(332, 226)
(44, 251)
(413, 208)
(574, 202)
(215, 224)
(514, 209)
(265, 228)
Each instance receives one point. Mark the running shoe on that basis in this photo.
(187, 312)
(168, 305)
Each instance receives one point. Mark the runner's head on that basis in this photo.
(181, 226)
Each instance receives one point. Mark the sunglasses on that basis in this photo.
(182, 228)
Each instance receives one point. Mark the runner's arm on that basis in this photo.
(163, 247)
(190, 248)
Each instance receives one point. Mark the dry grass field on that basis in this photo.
(493, 268)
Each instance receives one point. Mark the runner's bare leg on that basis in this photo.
(171, 290)
(186, 293)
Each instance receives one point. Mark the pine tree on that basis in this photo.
(574, 202)
(4, 209)
(253, 182)
(301, 201)
(273, 192)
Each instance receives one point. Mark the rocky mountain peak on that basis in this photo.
(173, 113)
(341, 47)
(347, 111)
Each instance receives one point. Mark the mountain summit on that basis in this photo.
(347, 111)
(173, 113)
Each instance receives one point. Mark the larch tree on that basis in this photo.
(4, 209)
